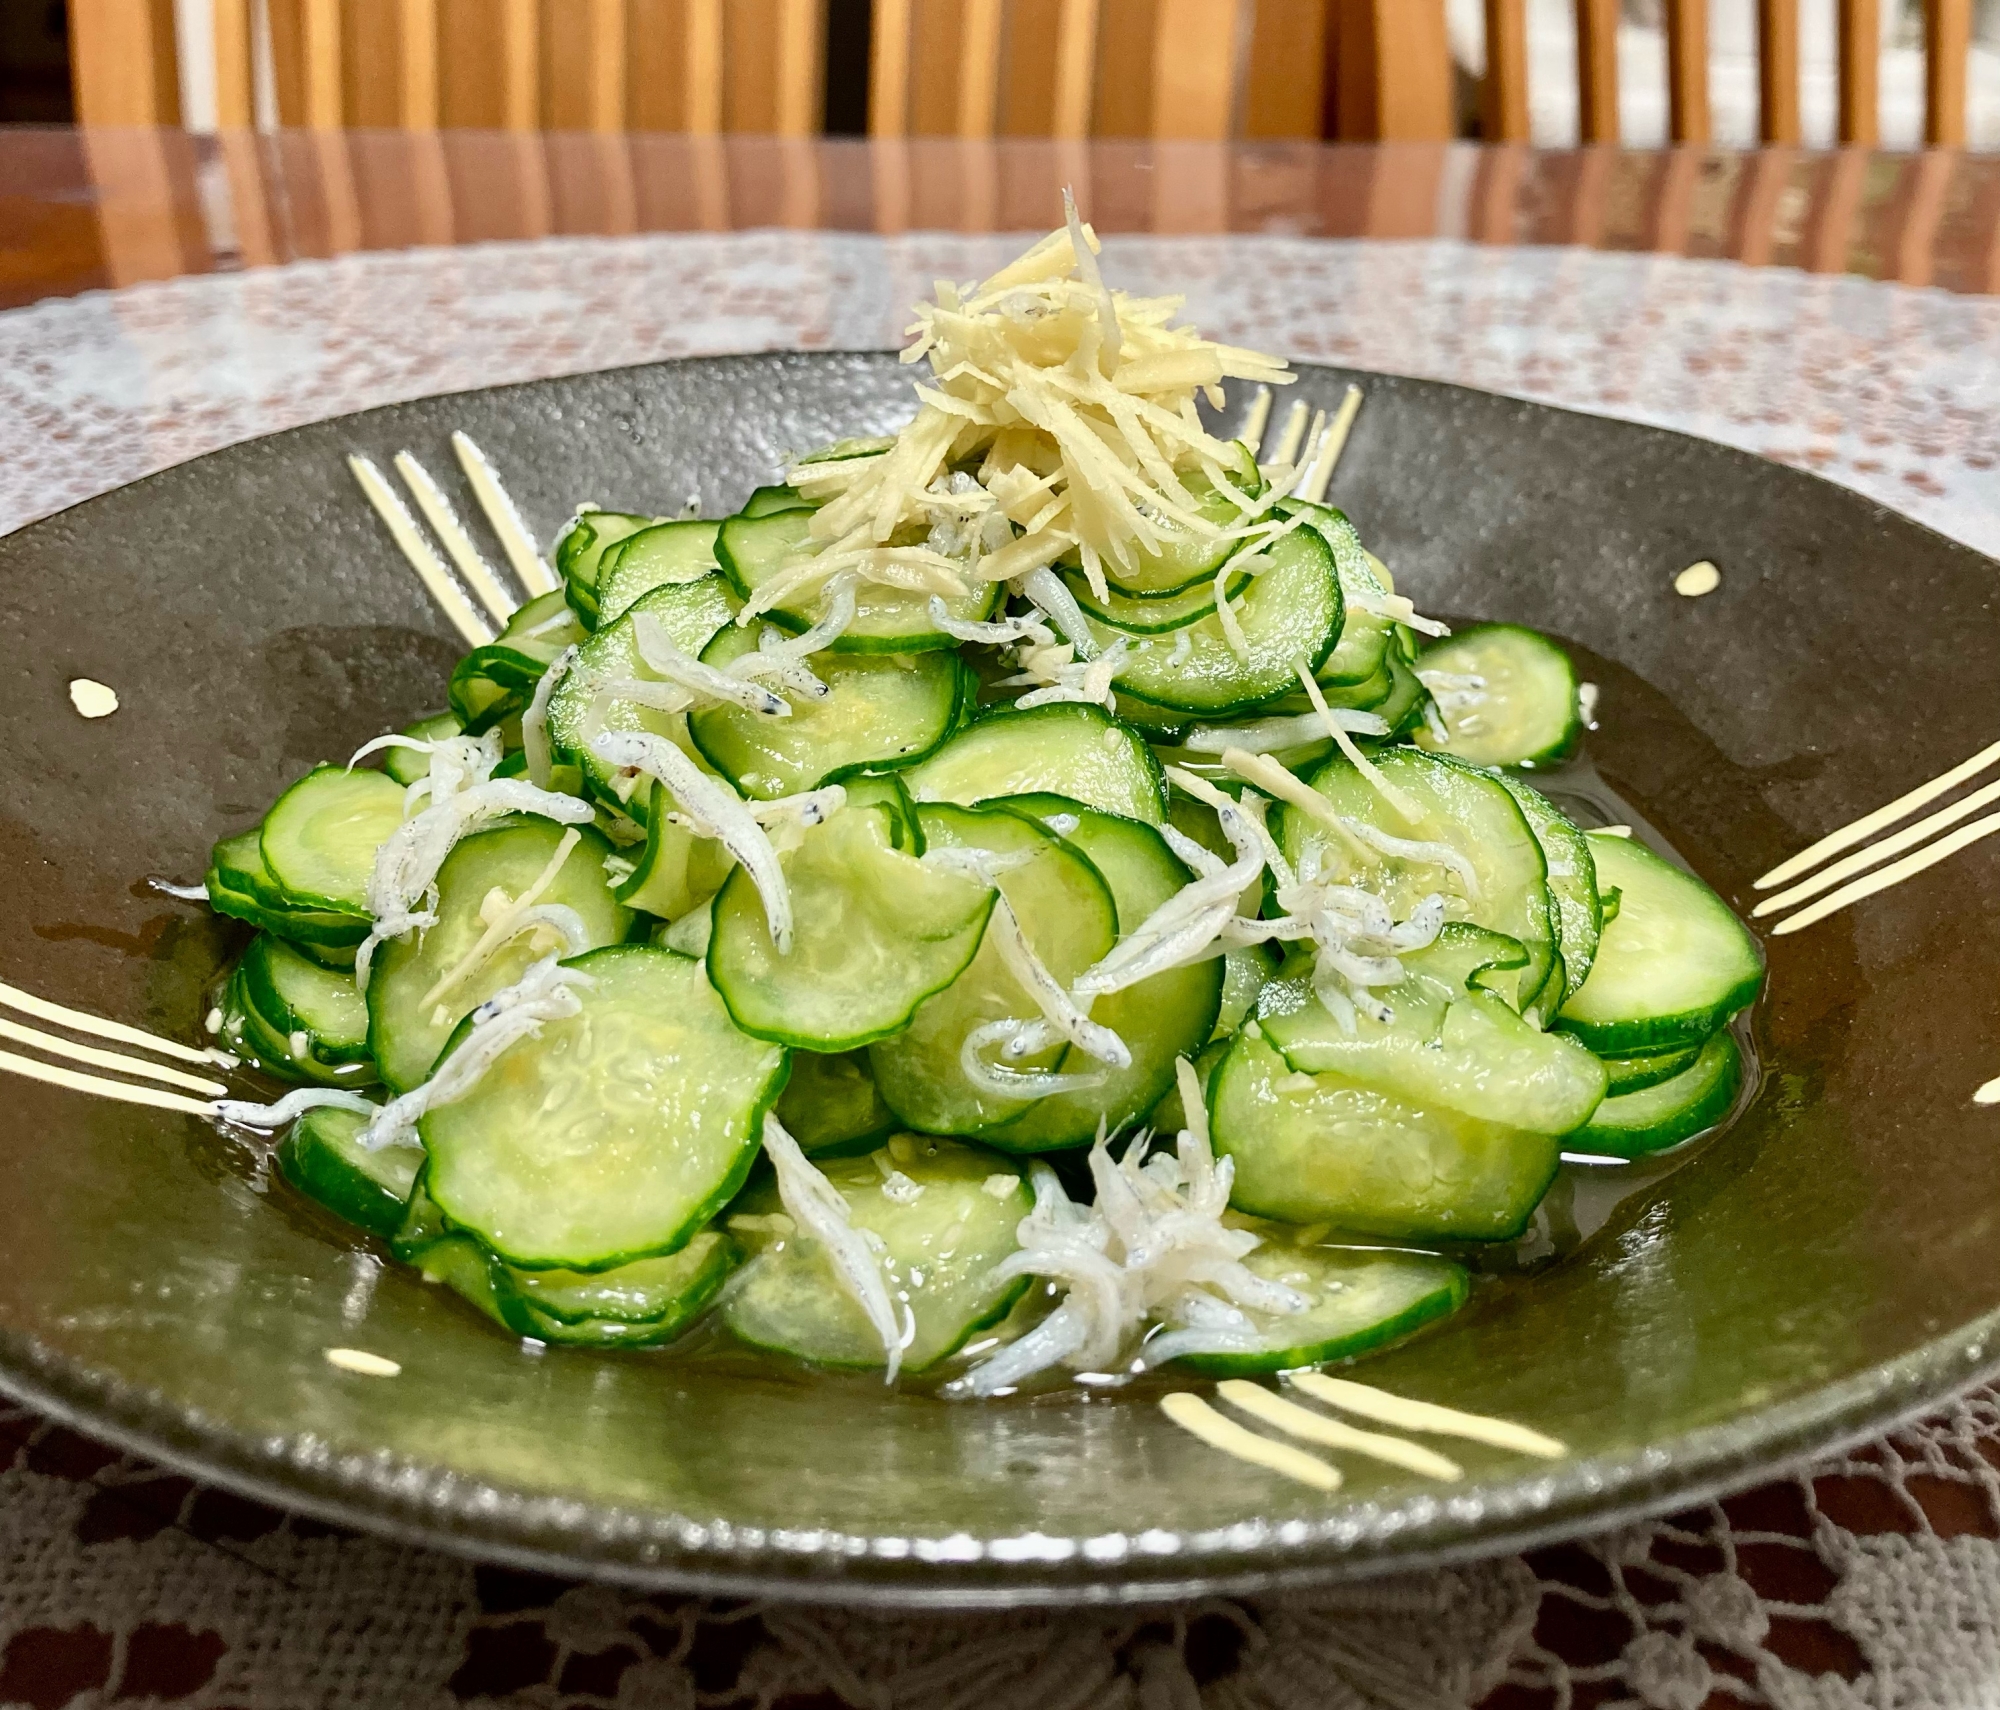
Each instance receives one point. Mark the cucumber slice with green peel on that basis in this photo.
(1067, 914)
(1361, 1298)
(1245, 973)
(1402, 708)
(943, 1216)
(1448, 1046)
(1635, 1074)
(1065, 749)
(1575, 907)
(875, 931)
(612, 1135)
(240, 886)
(678, 871)
(257, 1039)
(580, 552)
(658, 1296)
(1651, 1118)
(848, 450)
(880, 710)
(323, 1159)
(412, 1011)
(1289, 615)
(1321, 1149)
(1185, 557)
(1169, 1016)
(495, 683)
(770, 501)
(1672, 967)
(295, 995)
(753, 550)
(1160, 724)
(1157, 614)
(831, 1106)
(408, 765)
(1523, 711)
(655, 557)
(320, 837)
(1361, 653)
(582, 706)
(1468, 812)
(639, 1305)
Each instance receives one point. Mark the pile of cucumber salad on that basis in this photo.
(1022, 901)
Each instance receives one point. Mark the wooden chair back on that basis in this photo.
(1947, 59)
(698, 66)
(1166, 69)
(970, 68)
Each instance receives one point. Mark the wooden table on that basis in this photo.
(82, 209)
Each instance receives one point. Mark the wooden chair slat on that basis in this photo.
(124, 70)
(1075, 68)
(1195, 55)
(1284, 85)
(1503, 93)
(1688, 118)
(1860, 71)
(1391, 71)
(1947, 60)
(1597, 70)
(1778, 71)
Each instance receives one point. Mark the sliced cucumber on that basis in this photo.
(831, 1106)
(769, 501)
(1185, 557)
(1402, 708)
(630, 1306)
(1069, 918)
(880, 710)
(1466, 810)
(410, 1018)
(1635, 1074)
(1131, 614)
(753, 550)
(408, 765)
(875, 931)
(1575, 907)
(1320, 1149)
(240, 886)
(1652, 1118)
(942, 1214)
(284, 1056)
(494, 683)
(319, 839)
(613, 1135)
(581, 550)
(1361, 653)
(1169, 1016)
(1673, 966)
(323, 1159)
(1066, 749)
(1523, 711)
(297, 997)
(582, 707)
(1361, 1298)
(655, 557)
(677, 871)
(1448, 1046)
(1290, 615)
(1245, 973)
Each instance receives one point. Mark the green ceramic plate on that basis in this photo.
(1823, 1268)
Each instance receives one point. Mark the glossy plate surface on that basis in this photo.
(1824, 1268)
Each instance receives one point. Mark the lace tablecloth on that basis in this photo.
(1873, 1580)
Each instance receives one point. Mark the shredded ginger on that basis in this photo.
(1060, 418)
(1152, 1249)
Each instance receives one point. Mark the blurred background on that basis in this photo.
(1285, 87)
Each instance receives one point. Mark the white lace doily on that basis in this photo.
(1871, 1581)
